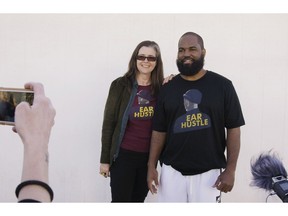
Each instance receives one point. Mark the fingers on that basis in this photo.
(225, 182)
(153, 189)
(104, 170)
(35, 121)
(104, 174)
(156, 182)
(152, 179)
(153, 185)
(217, 183)
(14, 129)
(167, 79)
(39, 93)
(221, 186)
(39, 96)
(22, 107)
(36, 87)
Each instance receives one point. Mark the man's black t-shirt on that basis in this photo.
(196, 139)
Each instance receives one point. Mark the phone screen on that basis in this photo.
(9, 99)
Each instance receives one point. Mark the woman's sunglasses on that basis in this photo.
(149, 58)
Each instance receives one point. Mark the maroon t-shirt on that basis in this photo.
(139, 127)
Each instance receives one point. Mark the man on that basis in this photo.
(192, 152)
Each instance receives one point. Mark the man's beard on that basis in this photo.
(190, 69)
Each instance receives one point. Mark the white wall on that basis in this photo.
(76, 56)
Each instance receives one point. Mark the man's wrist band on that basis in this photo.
(34, 182)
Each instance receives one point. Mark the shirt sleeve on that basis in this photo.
(233, 112)
(159, 118)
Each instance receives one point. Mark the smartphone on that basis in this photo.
(9, 99)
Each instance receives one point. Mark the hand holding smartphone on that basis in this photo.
(9, 99)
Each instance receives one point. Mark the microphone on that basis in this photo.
(269, 174)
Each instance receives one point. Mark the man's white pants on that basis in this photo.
(174, 187)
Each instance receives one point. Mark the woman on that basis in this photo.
(127, 124)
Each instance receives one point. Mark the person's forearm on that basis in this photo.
(33, 123)
(157, 144)
(233, 148)
(35, 167)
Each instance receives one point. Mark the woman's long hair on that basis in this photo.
(157, 74)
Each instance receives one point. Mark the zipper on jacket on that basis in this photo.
(125, 119)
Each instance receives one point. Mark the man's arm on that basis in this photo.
(157, 144)
(225, 181)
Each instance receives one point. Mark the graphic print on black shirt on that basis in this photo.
(144, 109)
(193, 119)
